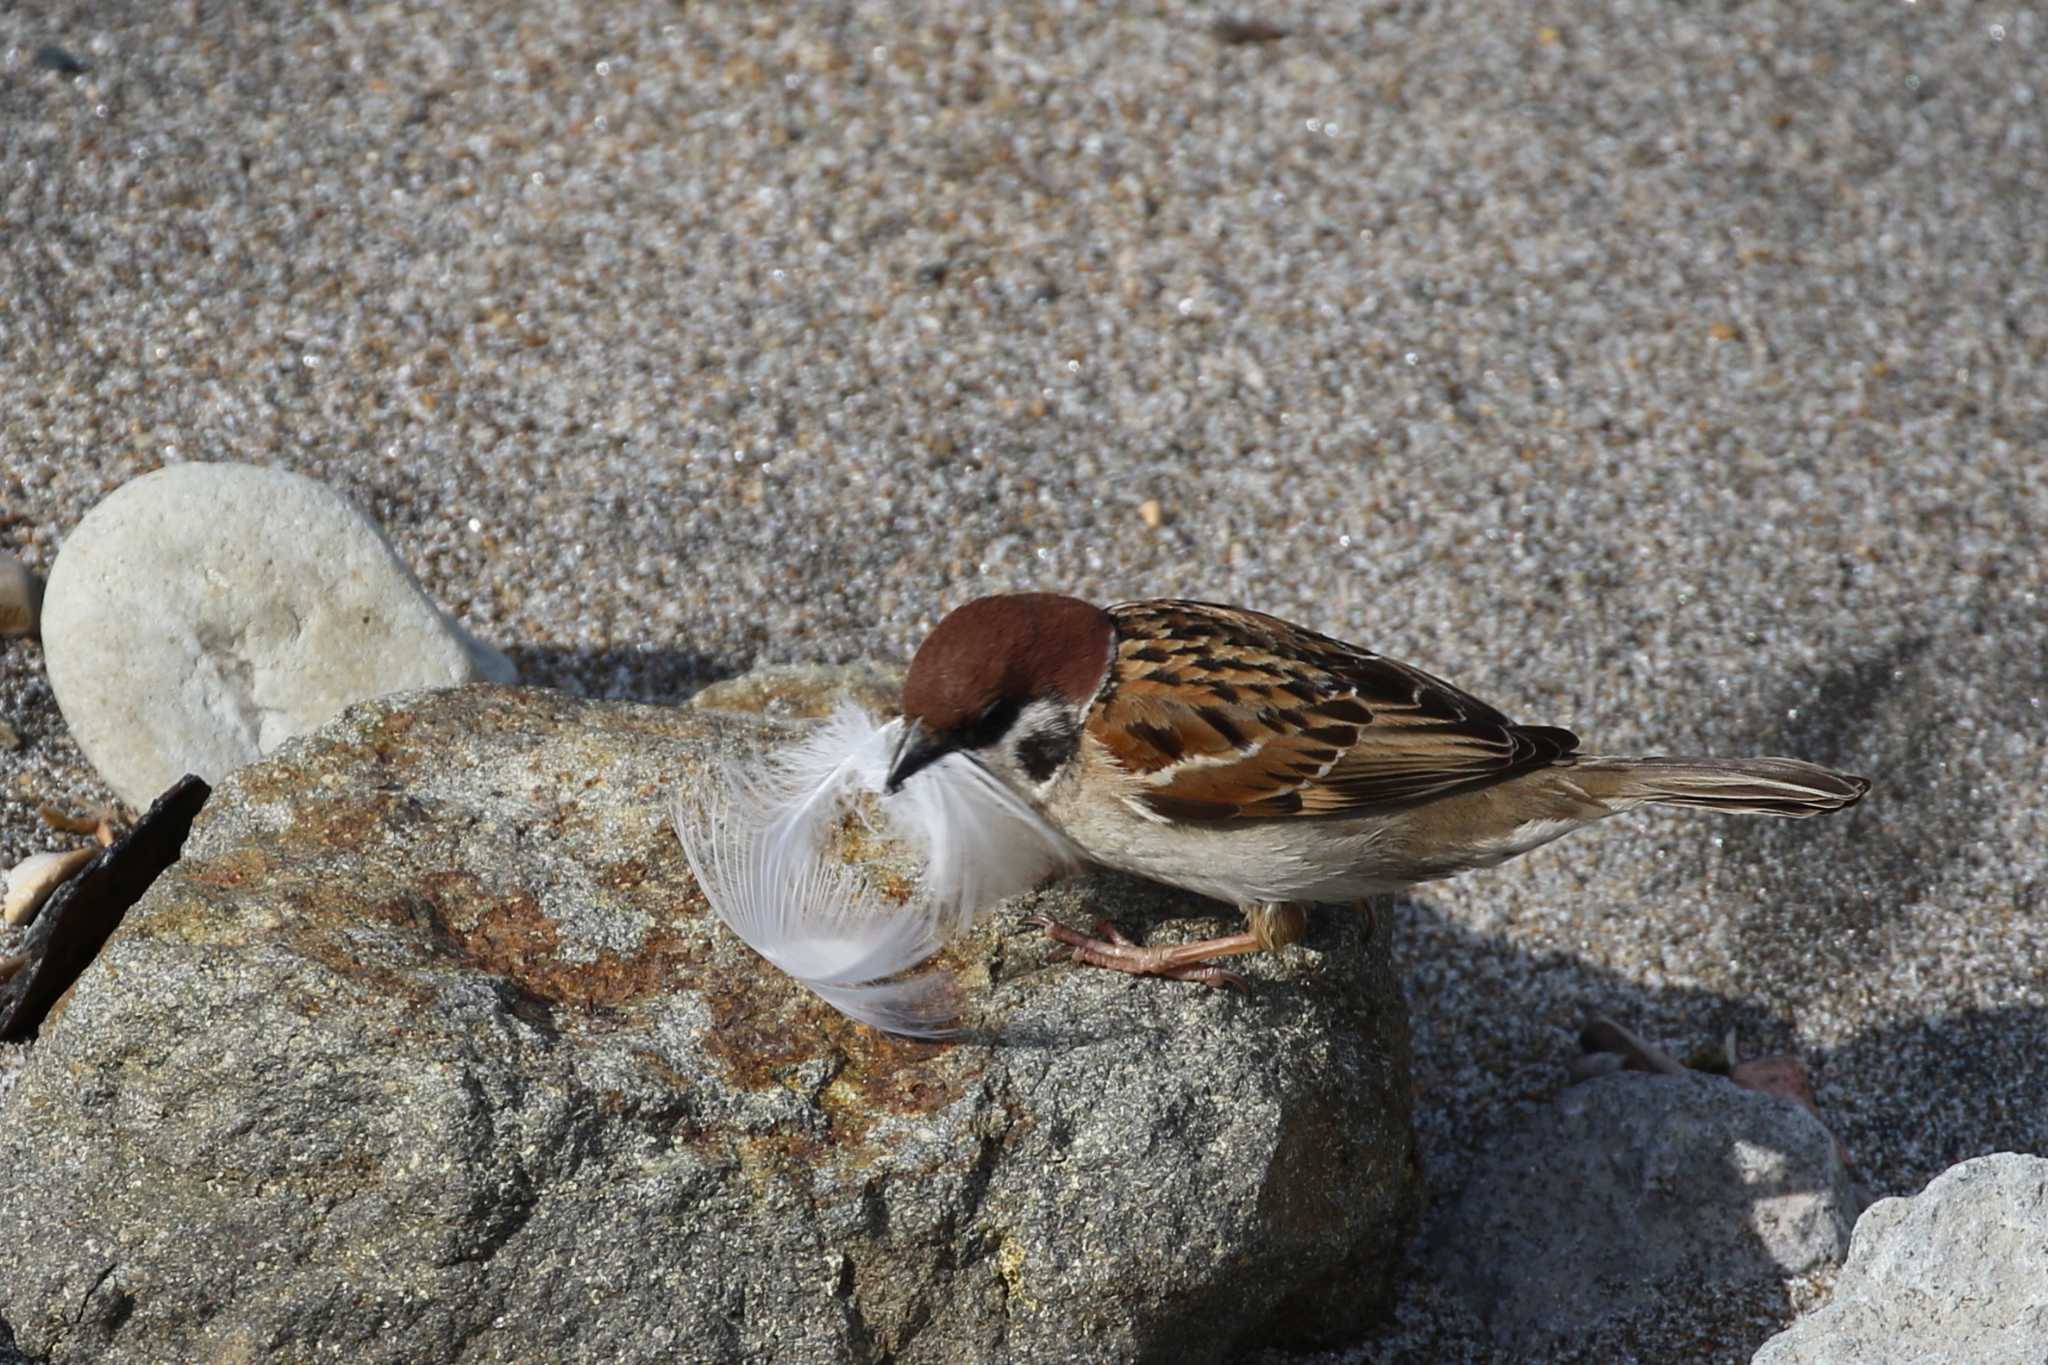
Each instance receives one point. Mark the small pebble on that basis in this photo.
(102, 824)
(1246, 32)
(10, 738)
(21, 597)
(31, 881)
(1151, 513)
(50, 57)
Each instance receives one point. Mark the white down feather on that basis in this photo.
(756, 841)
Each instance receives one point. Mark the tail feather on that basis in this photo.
(1739, 786)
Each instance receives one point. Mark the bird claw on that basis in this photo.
(1106, 930)
(1110, 949)
(1208, 974)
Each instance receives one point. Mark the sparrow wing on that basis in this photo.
(1232, 714)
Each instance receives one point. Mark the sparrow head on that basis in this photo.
(1006, 680)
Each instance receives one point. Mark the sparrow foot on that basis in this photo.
(1105, 929)
(1178, 962)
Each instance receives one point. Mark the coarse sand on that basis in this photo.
(1678, 373)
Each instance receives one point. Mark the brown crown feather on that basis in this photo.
(1011, 647)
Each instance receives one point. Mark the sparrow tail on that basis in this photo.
(1740, 786)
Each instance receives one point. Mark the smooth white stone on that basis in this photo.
(202, 615)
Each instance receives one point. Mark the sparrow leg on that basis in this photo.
(1206, 973)
(1180, 961)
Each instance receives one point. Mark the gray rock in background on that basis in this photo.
(1631, 1187)
(1959, 1272)
(203, 614)
(429, 1050)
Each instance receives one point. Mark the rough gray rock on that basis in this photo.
(1958, 1272)
(203, 614)
(1632, 1186)
(429, 1050)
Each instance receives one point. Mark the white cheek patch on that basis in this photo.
(756, 841)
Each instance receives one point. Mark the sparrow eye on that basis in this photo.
(991, 725)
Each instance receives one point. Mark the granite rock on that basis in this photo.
(201, 615)
(1632, 1186)
(1957, 1272)
(429, 1050)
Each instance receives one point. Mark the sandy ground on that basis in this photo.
(1677, 373)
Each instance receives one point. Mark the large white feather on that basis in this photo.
(981, 842)
(756, 841)
(817, 920)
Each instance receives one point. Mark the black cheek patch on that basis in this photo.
(1042, 752)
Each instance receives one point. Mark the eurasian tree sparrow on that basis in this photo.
(1229, 753)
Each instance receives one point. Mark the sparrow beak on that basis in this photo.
(914, 751)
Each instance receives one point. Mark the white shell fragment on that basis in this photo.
(756, 842)
(30, 881)
(21, 598)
